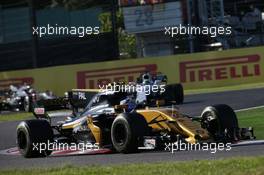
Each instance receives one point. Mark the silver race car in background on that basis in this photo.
(22, 98)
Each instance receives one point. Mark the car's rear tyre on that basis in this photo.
(27, 105)
(32, 133)
(221, 122)
(127, 132)
(174, 93)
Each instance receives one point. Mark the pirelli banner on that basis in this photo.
(194, 71)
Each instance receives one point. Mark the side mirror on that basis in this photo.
(121, 106)
(160, 103)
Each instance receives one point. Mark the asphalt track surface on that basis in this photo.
(193, 106)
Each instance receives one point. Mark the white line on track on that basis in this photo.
(243, 109)
(246, 109)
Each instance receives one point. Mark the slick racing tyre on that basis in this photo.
(27, 105)
(32, 133)
(127, 132)
(221, 122)
(174, 93)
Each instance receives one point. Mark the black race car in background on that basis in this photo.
(170, 93)
(148, 89)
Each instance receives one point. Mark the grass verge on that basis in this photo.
(254, 118)
(15, 116)
(225, 88)
(234, 166)
(22, 115)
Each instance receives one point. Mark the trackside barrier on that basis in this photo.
(199, 70)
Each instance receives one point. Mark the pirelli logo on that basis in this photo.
(220, 69)
(91, 79)
(4, 84)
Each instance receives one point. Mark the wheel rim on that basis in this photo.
(21, 140)
(120, 134)
(209, 121)
(26, 104)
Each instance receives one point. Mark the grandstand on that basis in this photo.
(144, 20)
(245, 18)
(17, 45)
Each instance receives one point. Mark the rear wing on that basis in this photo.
(41, 107)
(76, 99)
(3, 94)
(53, 104)
(79, 98)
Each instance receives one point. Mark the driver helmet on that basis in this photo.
(146, 78)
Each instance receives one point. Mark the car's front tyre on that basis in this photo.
(127, 131)
(221, 122)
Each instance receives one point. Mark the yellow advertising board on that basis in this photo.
(199, 70)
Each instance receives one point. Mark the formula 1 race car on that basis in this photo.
(168, 92)
(148, 88)
(124, 128)
(22, 98)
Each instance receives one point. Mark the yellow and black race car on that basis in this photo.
(110, 120)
